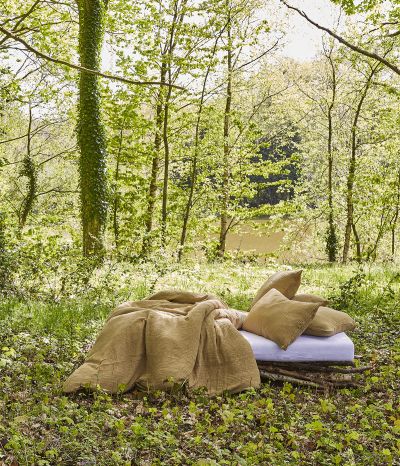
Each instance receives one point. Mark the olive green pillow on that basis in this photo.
(310, 298)
(328, 322)
(279, 319)
(286, 282)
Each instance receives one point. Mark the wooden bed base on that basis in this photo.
(316, 374)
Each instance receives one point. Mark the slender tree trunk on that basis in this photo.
(152, 193)
(193, 173)
(116, 193)
(352, 169)
(162, 121)
(164, 213)
(331, 240)
(357, 241)
(349, 208)
(5, 272)
(395, 217)
(189, 203)
(28, 170)
(381, 231)
(226, 149)
(349, 197)
(179, 14)
(393, 234)
(393, 241)
(91, 137)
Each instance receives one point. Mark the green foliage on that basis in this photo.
(351, 6)
(373, 187)
(54, 301)
(277, 424)
(278, 107)
(350, 289)
(6, 262)
(360, 290)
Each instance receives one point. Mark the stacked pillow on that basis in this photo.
(281, 315)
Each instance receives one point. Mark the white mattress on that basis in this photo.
(338, 347)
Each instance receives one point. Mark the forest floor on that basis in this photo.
(42, 341)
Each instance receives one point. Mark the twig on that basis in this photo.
(283, 378)
(286, 376)
(315, 368)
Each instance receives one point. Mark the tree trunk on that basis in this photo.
(162, 121)
(395, 218)
(177, 20)
(28, 170)
(5, 271)
(349, 204)
(331, 239)
(357, 241)
(164, 213)
(226, 149)
(152, 193)
(193, 177)
(193, 173)
(383, 227)
(91, 137)
(352, 169)
(116, 193)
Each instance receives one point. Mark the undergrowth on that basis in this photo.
(43, 340)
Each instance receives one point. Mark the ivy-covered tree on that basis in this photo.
(91, 136)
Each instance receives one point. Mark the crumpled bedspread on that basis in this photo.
(171, 337)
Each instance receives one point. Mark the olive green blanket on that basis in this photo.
(171, 337)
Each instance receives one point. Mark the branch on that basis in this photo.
(82, 68)
(58, 191)
(51, 157)
(13, 139)
(343, 41)
(258, 57)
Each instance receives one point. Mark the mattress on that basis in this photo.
(338, 347)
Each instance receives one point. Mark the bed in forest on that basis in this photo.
(195, 339)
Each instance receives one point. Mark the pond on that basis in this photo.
(250, 237)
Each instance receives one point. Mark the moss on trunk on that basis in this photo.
(91, 137)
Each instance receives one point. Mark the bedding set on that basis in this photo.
(179, 337)
(285, 326)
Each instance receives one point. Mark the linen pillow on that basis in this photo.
(310, 298)
(279, 319)
(286, 282)
(328, 322)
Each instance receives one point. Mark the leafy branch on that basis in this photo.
(59, 61)
(344, 41)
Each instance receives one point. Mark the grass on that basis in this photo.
(42, 341)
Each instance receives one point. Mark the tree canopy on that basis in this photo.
(223, 129)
